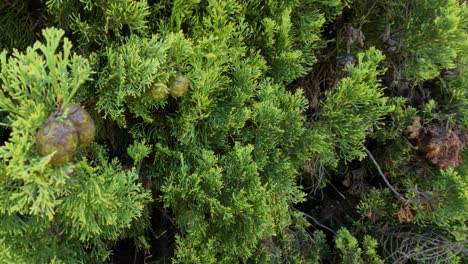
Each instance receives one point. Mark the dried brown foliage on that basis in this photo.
(405, 214)
(443, 147)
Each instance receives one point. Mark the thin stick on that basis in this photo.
(342, 196)
(315, 221)
(162, 234)
(401, 197)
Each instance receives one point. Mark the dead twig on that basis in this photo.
(400, 197)
(314, 220)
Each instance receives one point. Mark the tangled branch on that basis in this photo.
(429, 247)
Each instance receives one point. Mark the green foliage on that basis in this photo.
(375, 208)
(130, 69)
(288, 33)
(331, 8)
(138, 151)
(16, 30)
(356, 107)
(212, 199)
(286, 40)
(453, 97)
(398, 150)
(401, 116)
(431, 34)
(429, 39)
(450, 200)
(237, 189)
(439, 26)
(41, 73)
(348, 247)
(350, 252)
(229, 154)
(293, 244)
(72, 207)
(88, 215)
(7, 256)
(234, 141)
(285, 32)
(370, 249)
(223, 160)
(100, 21)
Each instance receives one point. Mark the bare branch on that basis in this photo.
(400, 197)
(315, 220)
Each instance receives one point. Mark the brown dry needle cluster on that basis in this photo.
(442, 146)
(405, 215)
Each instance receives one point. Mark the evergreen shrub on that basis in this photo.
(208, 131)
